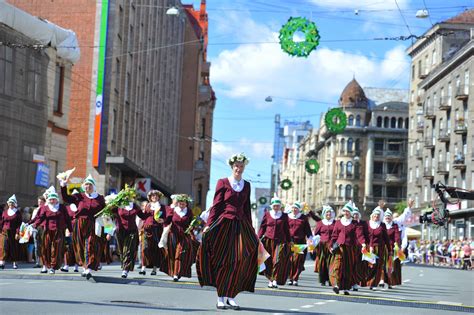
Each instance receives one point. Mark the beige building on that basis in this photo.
(35, 88)
(441, 115)
(365, 163)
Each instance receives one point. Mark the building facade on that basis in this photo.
(441, 115)
(365, 163)
(35, 88)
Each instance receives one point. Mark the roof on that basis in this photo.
(467, 17)
(353, 96)
(392, 106)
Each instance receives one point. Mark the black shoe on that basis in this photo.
(221, 307)
(64, 270)
(295, 283)
(2, 267)
(323, 284)
(290, 282)
(390, 287)
(234, 307)
(346, 293)
(153, 273)
(142, 272)
(83, 274)
(355, 289)
(175, 279)
(381, 285)
(336, 290)
(75, 270)
(43, 271)
(124, 276)
(88, 276)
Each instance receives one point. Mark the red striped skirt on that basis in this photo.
(69, 257)
(375, 272)
(341, 269)
(179, 256)
(322, 262)
(227, 257)
(360, 273)
(151, 254)
(394, 275)
(297, 263)
(53, 249)
(278, 265)
(87, 246)
(9, 246)
(127, 243)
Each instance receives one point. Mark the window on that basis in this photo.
(358, 120)
(413, 72)
(349, 169)
(356, 193)
(410, 176)
(466, 82)
(400, 123)
(343, 143)
(385, 122)
(379, 121)
(348, 192)
(59, 89)
(356, 170)
(357, 146)
(378, 168)
(406, 123)
(34, 71)
(417, 172)
(199, 195)
(341, 169)
(393, 123)
(433, 57)
(450, 93)
(377, 189)
(6, 70)
(340, 191)
(203, 129)
(350, 144)
(379, 145)
(351, 120)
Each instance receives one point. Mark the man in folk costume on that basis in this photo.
(344, 240)
(228, 256)
(86, 244)
(56, 219)
(275, 235)
(324, 229)
(10, 233)
(360, 265)
(392, 270)
(299, 231)
(379, 245)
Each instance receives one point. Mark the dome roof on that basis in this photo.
(353, 96)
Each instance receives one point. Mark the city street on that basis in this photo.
(426, 290)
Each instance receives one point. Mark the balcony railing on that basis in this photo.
(422, 72)
(445, 103)
(460, 127)
(462, 92)
(442, 168)
(429, 112)
(390, 178)
(428, 173)
(420, 126)
(429, 142)
(459, 162)
(444, 135)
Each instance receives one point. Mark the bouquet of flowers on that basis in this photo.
(398, 253)
(298, 249)
(26, 231)
(157, 215)
(371, 258)
(195, 223)
(313, 242)
(123, 198)
(263, 255)
(65, 175)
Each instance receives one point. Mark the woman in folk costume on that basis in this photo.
(10, 233)
(180, 253)
(126, 234)
(393, 269)
(227, 257)
(299, 231)
(86, 243)
(324, 229)
(56, 219)
(38, 232)
(360, 265)
(275, 235)
(154, 215)
(344, 240)
(69, 255)
(379, 245)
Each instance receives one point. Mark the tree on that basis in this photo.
(400, 206)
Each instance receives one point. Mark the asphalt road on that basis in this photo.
(425, 291)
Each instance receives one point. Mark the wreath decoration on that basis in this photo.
(312, 166)
(336, 120)
(254, 206)
(262, 200)
(286, 184)
(299, 49)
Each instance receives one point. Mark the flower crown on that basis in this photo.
(238, 158)
(184, 198)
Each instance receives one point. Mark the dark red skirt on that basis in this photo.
(9, 246)
(179, 256)
(277, 267)
(53, 249)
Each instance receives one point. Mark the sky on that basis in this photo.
(247, 65)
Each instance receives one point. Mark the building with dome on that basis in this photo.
(365, 163)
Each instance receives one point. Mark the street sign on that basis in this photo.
(38, 158)
(42, 175)
(143, 186)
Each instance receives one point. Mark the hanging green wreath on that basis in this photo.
(262, 200)
(312, 166)
(336, 120)
(286, 184)
(299, 49)
(254, 206)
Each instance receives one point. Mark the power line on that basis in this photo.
(403, 17)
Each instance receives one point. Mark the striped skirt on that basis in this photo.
(375, 272)
(86, 244)
(297, 263)
(53, 249)
(341, 268)
(395, 276)
(361, 267)
(278, 265)
(179, 256)
(69, 257)
(151, 254)
(9, 246)
(127, 245)
(322, 262)
(227, 257)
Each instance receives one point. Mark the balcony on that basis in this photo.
(445, 103)
(462, 92)
(428, 173)
(444, 136)
(460, 128)
(429, 143)
(395, 178)
(420, 126)
(422, 73)
(459, 162)
(429, 112)
(442, 169)
(419, 154)
(399, 154)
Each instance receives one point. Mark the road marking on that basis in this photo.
(307, 306)
(33, 282)
(449, 303)
(331, 301)
(5, 283)
(407, 280)
(421, 275)
(319, 303)
(294, 309)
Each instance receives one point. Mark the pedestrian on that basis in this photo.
(180, 253)
(324, 229)
(467, 252)
(393, 267)
(299, 231)
(275, 235)
(56, 220)
(154, 215)
(227, 257)
(86, 243)
(10, 233)
(379, 246)
(345, 236)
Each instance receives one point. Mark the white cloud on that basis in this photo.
(361, 4)
(254, 149)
